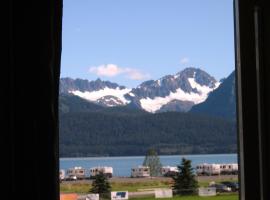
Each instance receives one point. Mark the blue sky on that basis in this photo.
(130, 41)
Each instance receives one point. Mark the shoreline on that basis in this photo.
(140, 156)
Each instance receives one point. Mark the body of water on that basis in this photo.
(122, 165)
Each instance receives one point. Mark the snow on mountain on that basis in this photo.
(189, 85)
(95, 95)
(179, 91)
(152, 105)
(101, 92)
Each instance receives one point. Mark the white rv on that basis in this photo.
(107, 171)
(140, 172)
(212, 169)
(61, 174)
(76, 173)
(231, 168)
(169, 171)
(200, 169)
(208, 169)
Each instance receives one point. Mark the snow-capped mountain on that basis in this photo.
(191, 85)
(101, 92)
(177, 92)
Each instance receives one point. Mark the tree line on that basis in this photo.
(121, 133)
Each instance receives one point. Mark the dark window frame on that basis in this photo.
(32, 104)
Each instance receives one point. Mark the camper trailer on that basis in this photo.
(208, 169)
(61, 174)
(212, 169)
(200, 169)
(107, 171)
(140, 172)
(169, 171)
(231, 168)
(76, 173)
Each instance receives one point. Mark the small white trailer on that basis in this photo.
(212, 169)
(208, 169)
(230, 168)
(76, 172)
(200, 169)
(61, 174)
(169, 171)
(216, 169)
(140, 172)
(107, 171)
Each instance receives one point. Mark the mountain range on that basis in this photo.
(189, 112)
(178, 92)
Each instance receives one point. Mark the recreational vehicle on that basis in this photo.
(107, 171)
(140, 172)
(231, 168)
(200, 169)
(169, 171)
(61, 174)
(77, 172)
(208, 169)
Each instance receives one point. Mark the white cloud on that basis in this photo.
(111, 70)
(106, 70)
(184, 60)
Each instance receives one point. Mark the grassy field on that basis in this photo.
(84, 187)
(219, 197)
(133, 185)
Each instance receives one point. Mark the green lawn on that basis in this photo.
(82, 188)
(219, 197)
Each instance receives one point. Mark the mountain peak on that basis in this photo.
(182, 90)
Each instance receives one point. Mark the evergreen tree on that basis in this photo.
(184, 180)
(101, 185)
(153, 162)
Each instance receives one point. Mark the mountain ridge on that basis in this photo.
(185, 88)
(220, 102)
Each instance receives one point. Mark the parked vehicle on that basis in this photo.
(208, 169)
(78, 172)
(61, 175)
(169, 171)
(233, 185)
(221, 187)
(140, 172)
(216, 169)
(71, 178)
(107, 171)
(231, 168)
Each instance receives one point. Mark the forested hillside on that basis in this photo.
(126, 131)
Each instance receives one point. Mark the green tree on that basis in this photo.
(101, 185)
(153, 162)
(184, 180)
